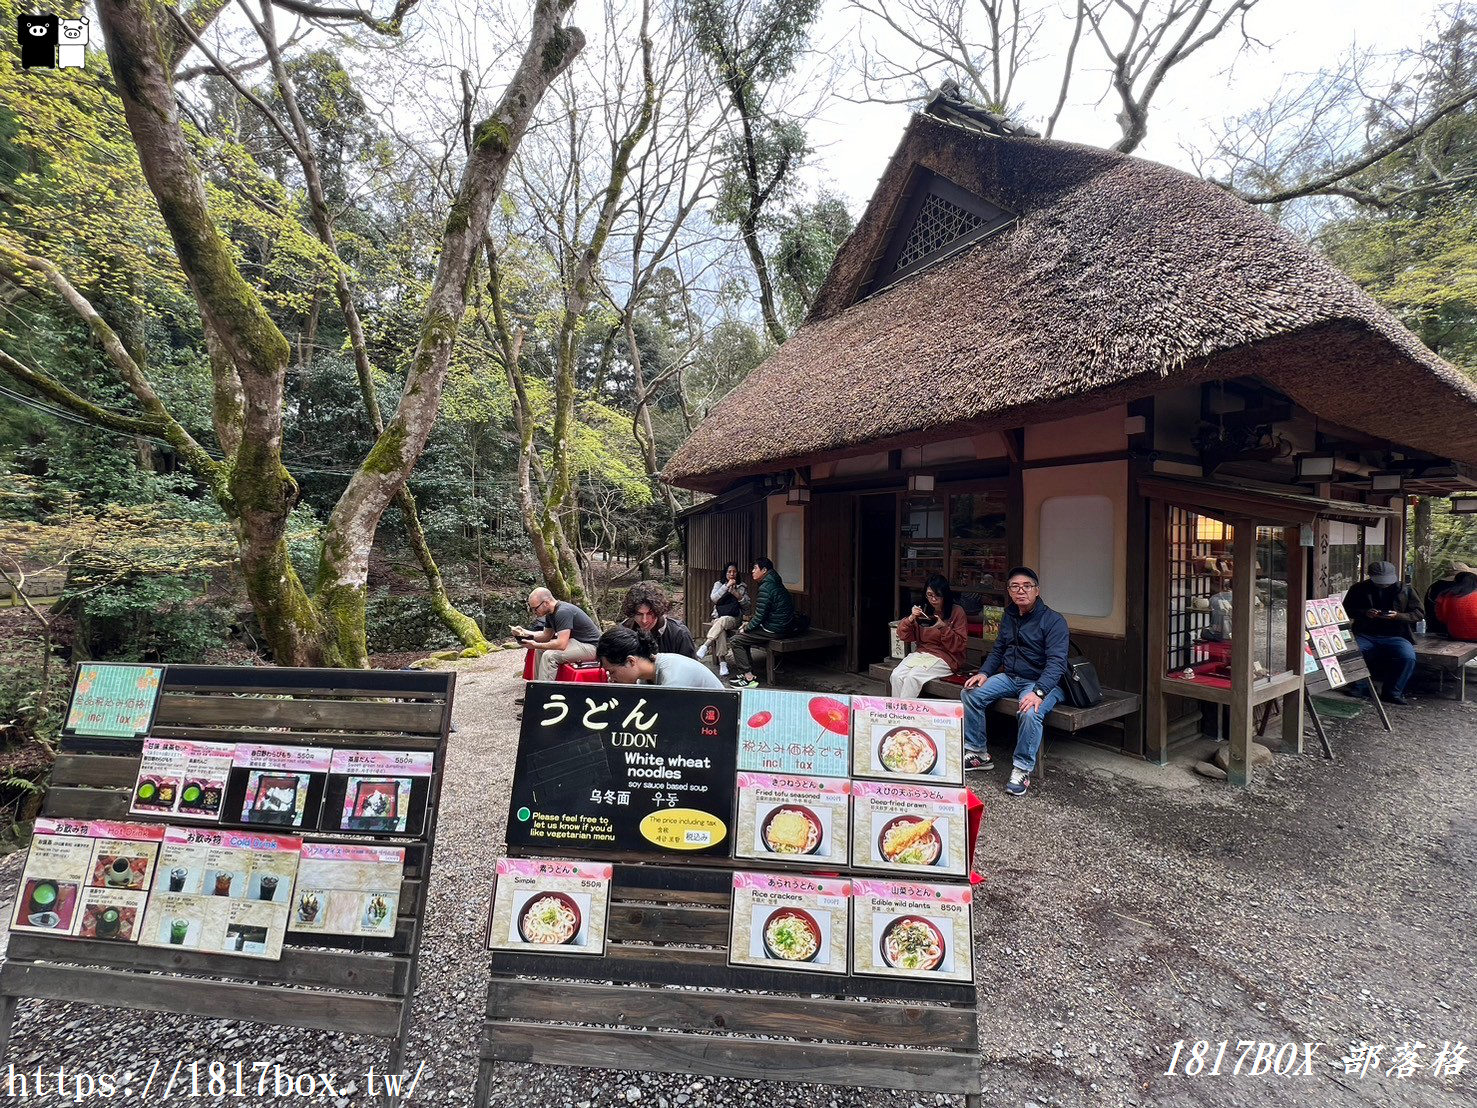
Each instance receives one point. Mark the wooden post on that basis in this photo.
(1243, 584)
(1156, 715)
(1297, 591)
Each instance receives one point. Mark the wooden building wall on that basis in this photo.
(830, 541)
(714, 539)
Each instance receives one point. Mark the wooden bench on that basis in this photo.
(324, 982)
(813, 639)
(1446, 656)
(664, 999)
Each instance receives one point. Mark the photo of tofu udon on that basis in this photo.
(792, 829)
(912, 943)
(910, 841)
(791, 935)
(549, 919)
(907, 750)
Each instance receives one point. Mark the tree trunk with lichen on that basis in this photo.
(249, 354)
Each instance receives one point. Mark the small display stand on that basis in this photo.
(1331, 660)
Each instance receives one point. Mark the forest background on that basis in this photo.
(264, 260)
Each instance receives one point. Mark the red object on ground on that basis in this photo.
(974, 815)
(586, 672)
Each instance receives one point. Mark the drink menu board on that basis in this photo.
(347, 890)
(789, 921)
(912, 929)
(799, 733)
(222, 892)
(903, 826)
(380, 792)
(549, 906)
(796, 819)
(908, 740)
(278, 786)
(86, 878)
(624, 768)
(113, 701)
(182, 778)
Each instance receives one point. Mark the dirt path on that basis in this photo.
(1333, 903)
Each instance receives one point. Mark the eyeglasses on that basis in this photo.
(1025, 587)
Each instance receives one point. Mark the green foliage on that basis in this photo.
(152, 618)
(808, 240)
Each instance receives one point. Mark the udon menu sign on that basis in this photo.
(549, 906)
(629, 768)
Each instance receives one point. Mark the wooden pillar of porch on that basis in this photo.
(1243, 592)
(1297, 593)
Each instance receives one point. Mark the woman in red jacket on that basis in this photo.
(1457, 608)
(941, 633)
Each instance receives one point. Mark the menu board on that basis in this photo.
(380, 792)
(789, 921)
(549, 906)
(795, 819)
(86, 878)
(800, 733)
(222, 892)
(280, 786)
(624, 768)
(113, 701)
(347, 890)
(903, 826)
(908, 740)
(1310, 661)
(181, 778)
(912, 929)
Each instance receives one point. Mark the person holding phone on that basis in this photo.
(1384, 611)
(564, 633)
(941, 631)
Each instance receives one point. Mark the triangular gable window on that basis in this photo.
(938, 219)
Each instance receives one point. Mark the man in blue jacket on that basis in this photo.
(1028, 662)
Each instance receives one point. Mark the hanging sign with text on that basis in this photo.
(625, 768)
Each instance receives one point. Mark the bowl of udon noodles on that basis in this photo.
(910, 841)
(549, 919)
(791, 935)
(912, 943)
(907, 750)
(792, 829)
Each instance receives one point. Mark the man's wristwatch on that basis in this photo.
(1039, 691)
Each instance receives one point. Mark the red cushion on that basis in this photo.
(956, 678)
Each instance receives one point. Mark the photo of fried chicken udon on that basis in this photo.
(911, 943)
(792, 829)
(549, 920)
(907, 750)
(911, 842)
(791, 936)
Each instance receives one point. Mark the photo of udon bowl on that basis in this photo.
(791, 935)
(908, 750)
(910, 841)
(549, 919)
(912, 943)
(792, 829)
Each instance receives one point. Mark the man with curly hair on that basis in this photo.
(645, 609)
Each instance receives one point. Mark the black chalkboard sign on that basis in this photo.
(625, 768)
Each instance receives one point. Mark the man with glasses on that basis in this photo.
(1028, 662)
(562, 634)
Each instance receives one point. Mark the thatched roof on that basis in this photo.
(1121, 278)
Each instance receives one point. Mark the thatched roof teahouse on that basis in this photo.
(1035, 351)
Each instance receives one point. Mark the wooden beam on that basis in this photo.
(1243, 585)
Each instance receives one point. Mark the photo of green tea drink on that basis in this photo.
(178, 929)
(108, 921)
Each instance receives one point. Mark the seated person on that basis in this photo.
(1434, 623)
(773, 618)
(1384, 611)
(1457, 607)
(564, 633)
(941, 633)
(631, 656)
(645, 609)
(1028, 662)
(730, 598)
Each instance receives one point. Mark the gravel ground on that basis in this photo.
(1333, 902)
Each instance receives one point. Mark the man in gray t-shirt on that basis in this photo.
(682, 672)
(567, 634)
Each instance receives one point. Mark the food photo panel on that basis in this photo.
(789, 921)
(796, 733)
(181, 778)
(347, 890)
(549, 906)
(277, 786)
(58, 865)
(378, 792)
(794, 819)
(912, 929)
(908, 740)
(902, 826)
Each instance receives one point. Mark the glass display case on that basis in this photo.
(961, 535)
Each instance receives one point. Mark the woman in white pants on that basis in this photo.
(730, 600)
(941, 632)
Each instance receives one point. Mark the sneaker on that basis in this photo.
(1020, 781)
(1397, 698)
(742, 681)
(978, 761)
(722, 669)
(702, 651)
